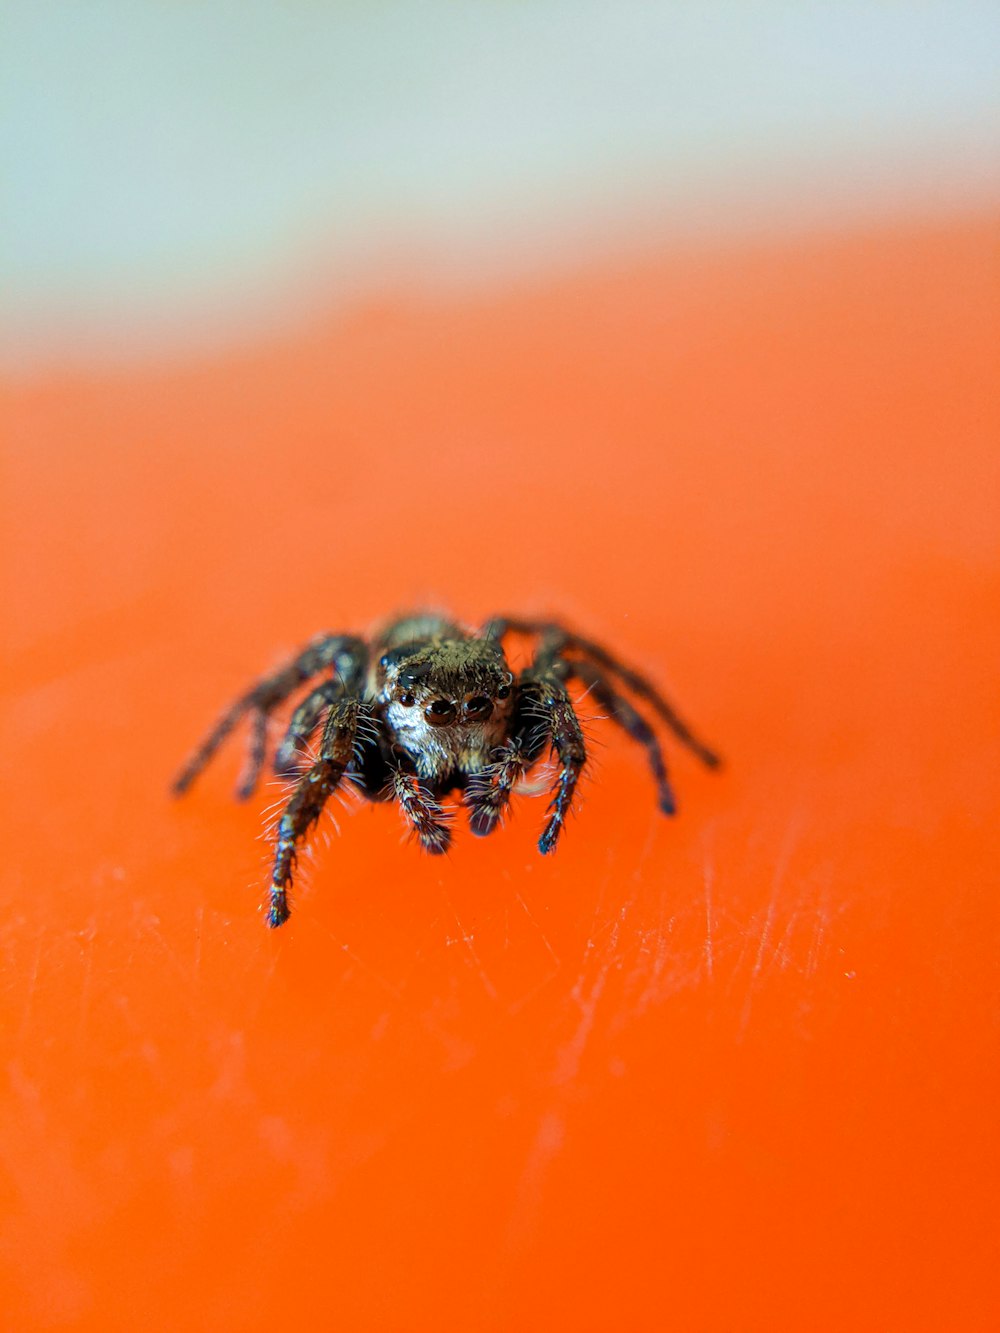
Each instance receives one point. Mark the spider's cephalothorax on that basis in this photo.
(427, 708)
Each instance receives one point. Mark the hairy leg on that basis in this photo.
(302, 724)
(310, 795)
(631, 721)
(341, 653)
(488, 793)
(421, 811)
(634, 680)
(256, 747)
(547, 713)
(567, 740)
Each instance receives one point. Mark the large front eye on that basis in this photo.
(478, 708)
(440, 713)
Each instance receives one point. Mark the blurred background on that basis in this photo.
(677, 321)
(179, 175)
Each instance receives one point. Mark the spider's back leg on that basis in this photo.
(632, 722)
(636, 681)
(344, 654)
(302, 724)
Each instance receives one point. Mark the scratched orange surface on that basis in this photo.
(734, 1071)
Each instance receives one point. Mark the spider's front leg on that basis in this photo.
(489, 792)
(543, 714)
(548, 714)
(421, 811)
(567, 740)
(310, 795)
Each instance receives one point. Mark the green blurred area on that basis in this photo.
(165, 163)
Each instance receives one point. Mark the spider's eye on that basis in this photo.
(478, 708)
(440, 713)
(503, 692)
(407, 699)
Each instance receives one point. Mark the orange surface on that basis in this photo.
(735, 1071)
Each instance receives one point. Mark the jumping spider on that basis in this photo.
(427, 709)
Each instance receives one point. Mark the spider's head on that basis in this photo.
(448, 703)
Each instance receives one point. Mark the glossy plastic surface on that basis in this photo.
(733, 1071)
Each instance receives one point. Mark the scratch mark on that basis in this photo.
(671, 967)
(709, 957)
(541, 932)
(467, 938)
(384, 982)
(781, 866)
(85, 988)
(431, 933)
(825, 917)
(783, 956)
(758, 964)
(819, 934)
(515, 1006)
(570, 1056)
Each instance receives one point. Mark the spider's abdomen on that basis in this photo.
(420, 628)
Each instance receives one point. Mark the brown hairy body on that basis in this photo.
(428, 708)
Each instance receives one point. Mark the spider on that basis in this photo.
(426, 709)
